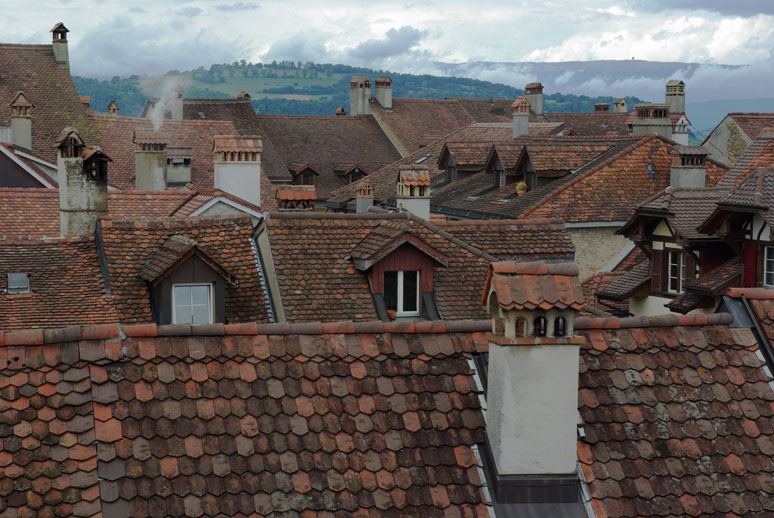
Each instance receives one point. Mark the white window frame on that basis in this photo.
(768, 256)
(211, 289)
(680, 263)
(399, 306)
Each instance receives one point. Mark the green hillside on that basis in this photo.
(289, 87)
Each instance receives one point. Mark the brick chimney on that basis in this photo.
(150, 160)
(21, 121)
(82, 177)
(413, 190)
(601, 107)
(237, 164)
(364, 199)
(689, 166)
(534, 94)
(520, 109)
(619, 105)
(675, 96)
(59, 43)
(112, 107)
(532, 392)
(359, 94)
(652, 119)
(383, 92)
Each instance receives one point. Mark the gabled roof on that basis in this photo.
(629, 282)
(758, 154)
(385, 239)
(465, 155)
(753, 123)
(33, 70)
(534, 285)
(21, 169)
(325, 142)
(754, 195)
(174, 252)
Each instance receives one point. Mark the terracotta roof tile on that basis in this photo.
(589, 124)
(758, 154)
(533, 285)
(753, 123)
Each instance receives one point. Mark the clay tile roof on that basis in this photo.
(296, 192)
(179, 152)
(621, 288)
(251, 143)
(414, 175)
(59, 27)
(250, 423)
(95, 152)
(753, 124)
(172, 253)
(150, 136)
(533, 285)
(760, 153)
(68, 132)
(468, 154)
(386, 238)
(521, 104)
(534, 85)
(591, 124)
(19, 99)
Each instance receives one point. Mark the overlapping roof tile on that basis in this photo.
(534, 285)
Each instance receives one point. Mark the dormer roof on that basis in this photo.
(174, 252)
(59, 28)
(21, 100)
(385, 239)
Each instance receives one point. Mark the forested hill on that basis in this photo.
(289, 87)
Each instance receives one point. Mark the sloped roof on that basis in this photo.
(174, 250)
(622, 287)
(752, 123)
(65, 279)
(317, 280)
(534, 285)
(248, 422)
(325, 142)
(467, 154)
(591, 124)
(753, 195)
(131, 244)
(33, 70)
(386, 238)
(758, 154)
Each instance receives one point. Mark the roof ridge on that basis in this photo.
(190, 221)
(196, 122)
(671, 320)
(86, 236)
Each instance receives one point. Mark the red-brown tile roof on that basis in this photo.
(249, 143)
(325, 142)
(296, 192)
(415, 175)
(66, 285)
(243, 424)
(33, 70)
(591, 124)
(753, 123)
(758, 154)
(130, 245)
(534, 285)
(317, 281)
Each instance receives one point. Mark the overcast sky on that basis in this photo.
(124, 37)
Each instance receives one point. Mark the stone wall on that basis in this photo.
(594, 247)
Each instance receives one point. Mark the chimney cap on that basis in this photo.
(112, 104)
(69, 133)
(675, 82)
(366, 190)
(536, 85)
(383, 81)
(359, 82)
(96, 152)
(520, 105)
(148, 136)
(534, 285)
(679, 149)
(228, 143)
(244, 95)
(20, 100)
(59, 28)
(341, 111)
(414, 175)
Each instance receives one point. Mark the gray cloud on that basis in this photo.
(119, 47)
(239, 6)
(304, 46)
(736, 7)
(395, 42)
(189, 12)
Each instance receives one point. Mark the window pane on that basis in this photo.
(391, 290)
(201, 315)
(183, 315)
(182, 295)
(410, 283)
(200, 294)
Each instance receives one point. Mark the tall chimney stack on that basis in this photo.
(59, 43)
(534, 94)
(689, 166)
(413, 190)
(82, 177)
(237, 164)
(21, 121)
(675, 96)
(364, 199)
(383, 92)
(150, 160)
(619, 105)
(520, 109)
(652, 119)
(532, 394)
(359, 93)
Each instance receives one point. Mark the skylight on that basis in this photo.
(419, 161)
(18, 283)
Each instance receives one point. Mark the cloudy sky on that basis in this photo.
(123, 37)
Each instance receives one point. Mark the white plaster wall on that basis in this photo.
(648, 306)
(21, 132)
(417, 206)
(150, 170)
(241, 179)
(760, 228)
(532, 408)
(594, 247)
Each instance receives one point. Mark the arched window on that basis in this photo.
(520, 325)
(539, 326)
(560, 327)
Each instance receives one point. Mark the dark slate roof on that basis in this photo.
(32, 69)
(325, 142)
(318, 280)
(124, 422)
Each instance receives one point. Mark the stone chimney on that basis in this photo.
(601, 107)
(413, 190)
(59, 43)
(383, 92)
(359, 94)
(364, 199)
(689, 166)
(532, 394)
(619, 105)
(82, 177)
(150, 160)
(675, 96)
(520, 109)
(237, 161)
(534, 94)
(340, 111)
(21, 121)
(176, 104)
(179, 166)
(112, 108)
(652, 119)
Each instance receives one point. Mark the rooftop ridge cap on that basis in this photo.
(13, 239)
(670, 320)
(132, 118)
(449, 237)
(188, 220)
(28, 45)
(127, 331)
(512, 221)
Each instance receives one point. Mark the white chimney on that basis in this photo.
(383, 92)
(359, 94)
(413, 190)
(237, 163)
(534, 94)
(675, 96)
(176, 104)
(520, 109)
(82, 177)
(532, 393)
(59, 44)
(619, 105)
(689, 166)
(21, 121)
(364, 199)
(150, 160)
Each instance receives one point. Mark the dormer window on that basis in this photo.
(768, 266)
(401, 292)
(18, 283)
(192, 304)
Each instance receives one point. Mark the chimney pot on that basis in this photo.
(619, 105)
(413, 190)
(237, 165)
(520, 108)
(534, 94)
(364, 198)
(59, 44)
(359, 95)
(112, 107)
(383, 92)
(21, 121)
